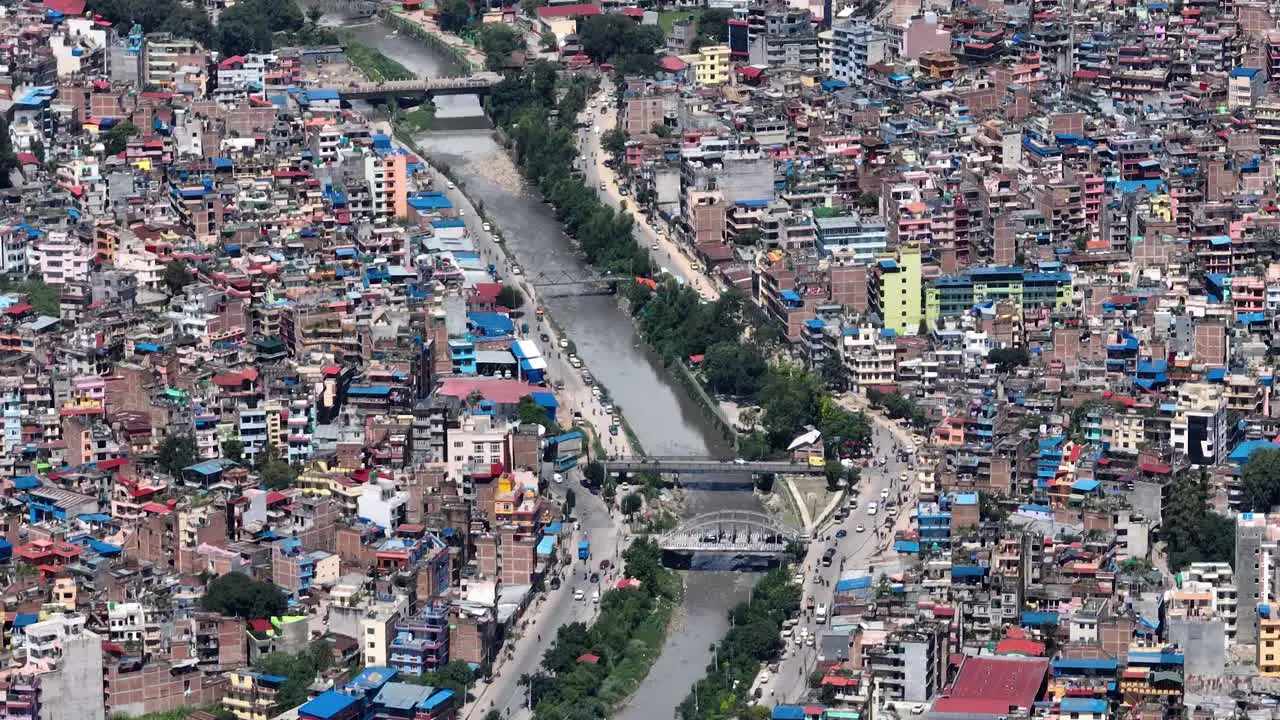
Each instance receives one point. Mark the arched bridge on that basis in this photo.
(477, 84)
(695, 465)
(737, 531)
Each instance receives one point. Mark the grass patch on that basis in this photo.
(418, 120)
(642, 651)
(667, 20)
(375, 66)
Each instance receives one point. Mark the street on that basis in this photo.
(855, 554)
(662, 249)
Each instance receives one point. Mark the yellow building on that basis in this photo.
(894, 290)
(1269, 647)
(252, 695)
(711, 67)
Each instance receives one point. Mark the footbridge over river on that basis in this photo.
(704, 465)
(477, 84)
(730, 531)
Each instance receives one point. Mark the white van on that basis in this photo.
(595, 597)
(820, 615)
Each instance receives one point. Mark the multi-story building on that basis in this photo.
(894, 291)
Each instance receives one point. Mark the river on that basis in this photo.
(662, 416)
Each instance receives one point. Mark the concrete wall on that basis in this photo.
(74, 691)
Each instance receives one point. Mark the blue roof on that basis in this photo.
(752, 203)
(369, 390)
(491, 324)
(429, 201)
(22, 620)
(1216, 374)
(1084, 664)
(448, 224)
(327, 705)
(26, 482)
(1245, 449)
(968, 571)
(1244, 72)
(547, 400)
(814, 324)
(547, 545)
(208, 467)
(1039, 618)
(1082, 705)
(435, 700)
(858, 583)
(906, 546)
(322, 94)
(788, 712)
(963, 498)
(792, 295)
(96, 518)
(1085, 485)
(1156, 658)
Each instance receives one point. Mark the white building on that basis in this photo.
(62, 258)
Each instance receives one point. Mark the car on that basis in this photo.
(841, 533)
(557, 478)
(450, 185)
(893, 512)
(595, 129)
(605, 564)
(798, 578)
(462, 213)
(564, 342)
(903, 477)
(884, 493)
(544, 337)
(871, 510)
(515, 270)
(595, 577)
(739, 461)
(579, 595)
(808, 641)
(595, 596)
(860, 529)
(602, 186)
(487, 227)
(654, 247)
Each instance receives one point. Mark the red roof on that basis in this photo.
(27, 158)
(506, 392)
(671, 63)
(157, 508)
(231, 62)
(235, 378)
(634, 12)
(19, 309)
(488, 292)
(262, 626)
(66, 7)
(750, 73)
(1020, 647)
(275, 497)
(588, 658)
(1155, 468)
(990, 686)
(563, 11)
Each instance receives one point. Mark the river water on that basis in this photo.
(660, 413)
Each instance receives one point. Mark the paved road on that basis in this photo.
(855, 552)
(668, 254)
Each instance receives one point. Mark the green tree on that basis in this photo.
(238, 595)
(37, 149)
(868, 202)
(314, 14)
(614, 142)
(452, 15)
(233, 450)
(617, 39)
(834, 472)
(1006, 359)
(1260, 480)
(593, 474)
(176, 452)
(118, 137)
(791, 400)
(498, 41)
(749, 237)
(277, 474)
(530, 7)
(570, 501)
(1191, 530)
(549, 42)
(713, 27)
(177, 276)
(529, 412)
(834, 374)
(990, 509)
(43, 297)
(734, 369)
(510, 297)
(631, 504)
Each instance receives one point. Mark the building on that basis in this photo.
(894, 291)
(712, 67)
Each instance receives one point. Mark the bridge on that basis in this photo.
(478, 84)
(562, 283)
(703, 465)
(729, 531)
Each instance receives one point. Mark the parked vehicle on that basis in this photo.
(584, 550)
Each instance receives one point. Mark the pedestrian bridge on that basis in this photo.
(730, 531)
(703, 465)
(477, 84)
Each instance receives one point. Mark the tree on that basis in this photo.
(570, 500)
(177, 276)
(42, 296)
(593, 474)
(833, 372)
(530, 7)
(617, 39)
(734, 369)
(238, 595)
(713, 27)
(118, 137)
(510, 297)
(498, 41)
(791, 402)
(868, 202)
(277, 474)
(175, 453)
(233, 450)
(749, 237)
(8, 158)
(314, 14)
(990, 509)
(1191, 530)
(452, 15)
(614, 142)
(529, 412)
(549, 42)
(1006, 359)
(764, 482)
(1260, 480)
(834, 472)
(37, 149)
(631, 504)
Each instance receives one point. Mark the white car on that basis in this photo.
(884, 494)
(515, 270)
(450, 185)
(872, 508)
(860, 529)
(579, 595)
(798, 578)
(557, 478)
(739, 461)
(564, 342)
(654, 247)
(487, 227)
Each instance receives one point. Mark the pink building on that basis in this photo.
(922, 35)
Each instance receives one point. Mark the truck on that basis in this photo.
(584, 550)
